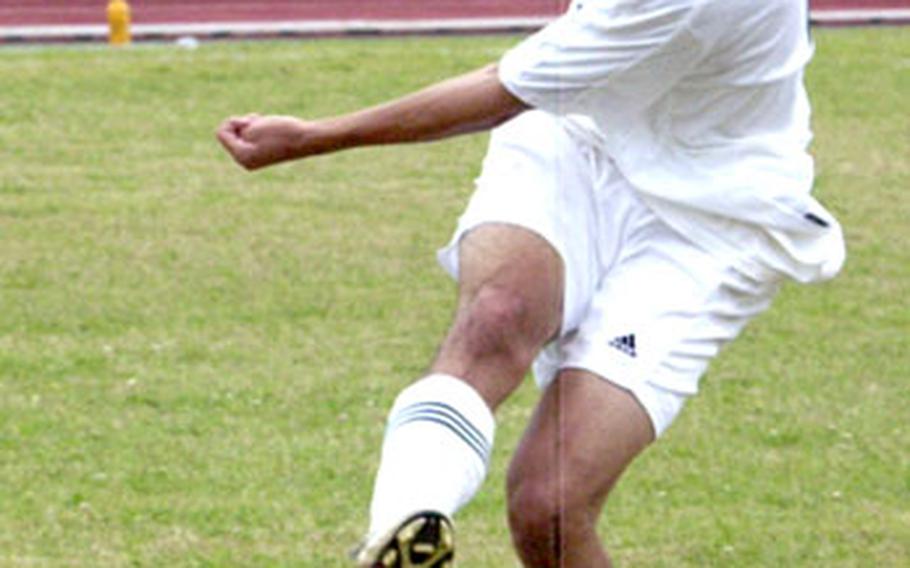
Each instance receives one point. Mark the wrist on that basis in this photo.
(322, 137)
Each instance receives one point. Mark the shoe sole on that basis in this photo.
(425, 540)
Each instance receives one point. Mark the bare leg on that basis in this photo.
(510, 304)
(440, 429)
(584, 433)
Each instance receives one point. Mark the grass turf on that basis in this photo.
(195, 363)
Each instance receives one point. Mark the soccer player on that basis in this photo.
(646, 191)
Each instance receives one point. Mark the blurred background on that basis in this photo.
(85, 20)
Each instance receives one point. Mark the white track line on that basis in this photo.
(859, 16)
(303, 28)
(366, 27)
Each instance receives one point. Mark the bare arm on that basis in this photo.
(469, 103)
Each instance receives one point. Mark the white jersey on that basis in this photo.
(701, 105)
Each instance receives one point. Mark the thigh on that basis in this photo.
(539, 178)
(508, 256)
(583, 434)
(509, 304)
(660, 315)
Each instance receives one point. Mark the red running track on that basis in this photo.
(80, 12)
(75, 12)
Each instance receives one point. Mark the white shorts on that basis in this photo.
(643, 307)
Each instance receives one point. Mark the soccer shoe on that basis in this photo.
(424, 540)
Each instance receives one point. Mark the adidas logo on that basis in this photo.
(626, 344)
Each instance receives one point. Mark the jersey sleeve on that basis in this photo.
(613, 56)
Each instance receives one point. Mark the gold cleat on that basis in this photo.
(424, 540)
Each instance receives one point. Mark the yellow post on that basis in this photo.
(118, 20)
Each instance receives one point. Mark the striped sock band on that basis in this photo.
(436, 450)
(446, 416)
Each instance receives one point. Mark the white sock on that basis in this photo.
(435, 454)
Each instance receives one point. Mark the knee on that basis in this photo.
(541, 520)
(497, 320)
(534, 517)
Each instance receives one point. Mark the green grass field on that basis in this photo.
(195, 362)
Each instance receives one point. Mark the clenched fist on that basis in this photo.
(258, 141)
